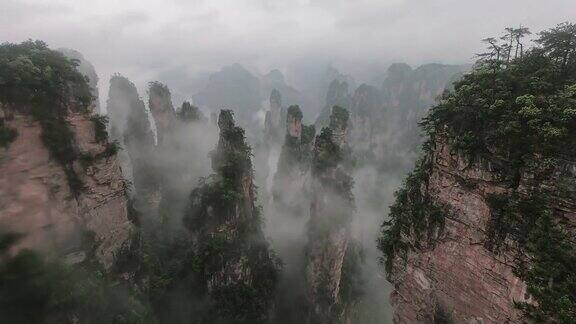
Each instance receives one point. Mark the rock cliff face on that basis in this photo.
(36, 200)
(463, 277)
(61, 185)
(329, 280)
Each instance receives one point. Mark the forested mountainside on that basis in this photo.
(483, 228)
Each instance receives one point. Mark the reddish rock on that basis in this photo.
(459, 275)
(35, 198)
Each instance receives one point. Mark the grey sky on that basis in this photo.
(145, 38)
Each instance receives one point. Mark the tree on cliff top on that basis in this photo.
(43, 83)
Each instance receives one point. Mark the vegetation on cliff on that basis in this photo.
(190, 113)
(518, 109)
(44, 84)
(236, 267)
(415, 220)
(522, 106)
(296, 152)
(37, 289)
(335, 280)
(7, 133)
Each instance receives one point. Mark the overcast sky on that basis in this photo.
(146, 38)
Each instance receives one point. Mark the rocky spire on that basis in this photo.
(294, 122)
(289, 189)
(225, 221)
(274, 119)
(129, 125)
(160, 103)
(339, 125)
(190, 113)
(275, 100)
(329, 240)
(337, 95)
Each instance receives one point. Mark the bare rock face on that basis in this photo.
(461, 278)
(36, 200)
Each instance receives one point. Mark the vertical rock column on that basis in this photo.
(329, 227)
(129, 125)
(289, 181)
(237, 269)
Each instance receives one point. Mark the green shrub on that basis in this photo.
(100, 124)
(414, 217)
(7, 134)
(40, 290)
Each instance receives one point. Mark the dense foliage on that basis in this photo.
(43, 83)
(546, 257)
(34, 289)
(327, 153)
(415, 221)
(339, 118)
(521, 107)
(7, 134)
